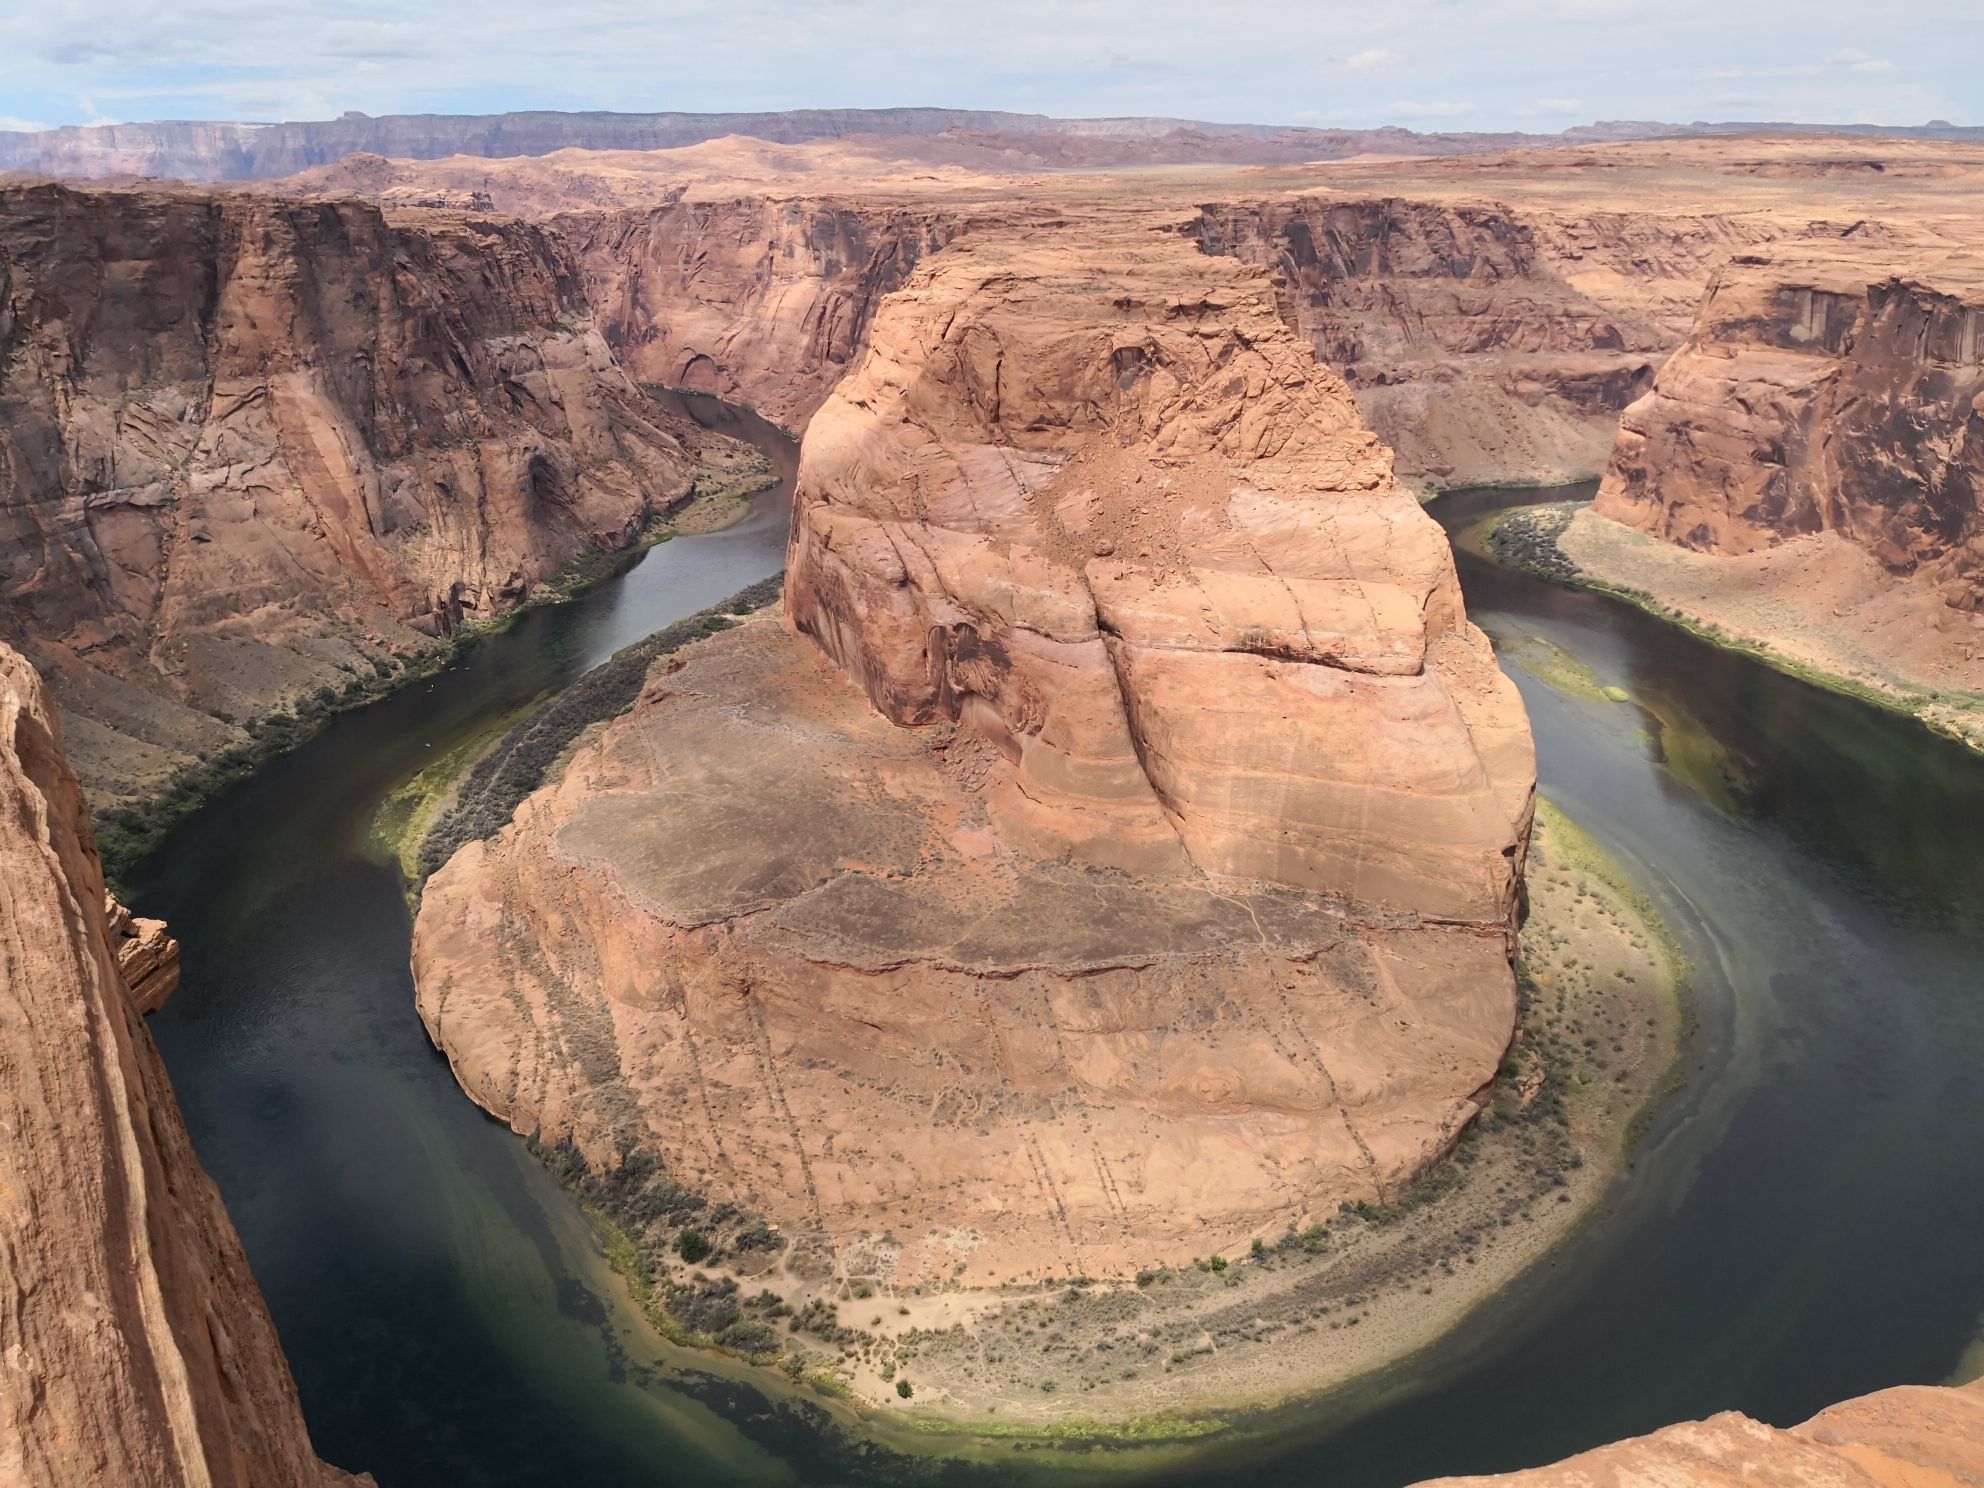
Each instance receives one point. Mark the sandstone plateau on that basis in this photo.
(1915, 1436)
(1115, 856)
(253, 448)
(134, 1345)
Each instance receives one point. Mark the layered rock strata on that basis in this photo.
(135, 1348)
(1914, 1436)
(760, 300)
(1114, 859)
(1821, 393)
(252, 448)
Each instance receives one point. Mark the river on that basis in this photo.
(1800, 1225)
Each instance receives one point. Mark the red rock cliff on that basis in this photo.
(765, 301)
(134, 1346)
(248, 447)
(1821, 392)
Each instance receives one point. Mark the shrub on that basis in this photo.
(692, 1246)
(1216, 1263)
(903, 1389)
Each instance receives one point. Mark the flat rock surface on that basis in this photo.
(773, 939)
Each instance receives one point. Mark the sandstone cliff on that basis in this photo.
(762, 300)
(1135, 879)
(1839, 393)
(1484, 343)
(134, 1346)
(1915, 1436)
(250, 448)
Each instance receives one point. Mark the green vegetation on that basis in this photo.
(1525, 538)
(126, 835)
(903, 1389)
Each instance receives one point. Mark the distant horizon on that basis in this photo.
(1477, 66)
(13, 125)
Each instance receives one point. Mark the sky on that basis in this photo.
(1536, 65)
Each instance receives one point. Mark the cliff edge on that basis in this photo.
(134, 1345)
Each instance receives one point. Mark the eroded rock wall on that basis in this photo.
(761, 300)
(1088, 496)
(249, 448)
(1821, 392)
(135, 1348)
(1483, 344)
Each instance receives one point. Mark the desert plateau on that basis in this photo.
(790, 793)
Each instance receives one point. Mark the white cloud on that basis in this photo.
(1858, 61)
(1492, 61)
(1376, 59)
(1432, 108)
(24, 126)
(1559, 106)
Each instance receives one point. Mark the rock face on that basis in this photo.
(1912, 1437)
(134, 1346)
(1840, 393)
(1482, 343)
(1115, 858)
(1112, 537)
(249, 448)
(759, 300)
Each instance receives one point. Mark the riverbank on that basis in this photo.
(1171, 1354)
(719, 495)
(1816, 609)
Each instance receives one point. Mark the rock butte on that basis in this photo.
(134, 1345)
(1138, 876)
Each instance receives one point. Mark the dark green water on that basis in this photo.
(1802, 1224)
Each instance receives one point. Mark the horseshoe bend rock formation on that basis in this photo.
(1822, 393)
(1113, 857)
(1908, 1437)
(249, 448)
(134, 1346)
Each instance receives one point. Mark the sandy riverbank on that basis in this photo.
(1816, 607)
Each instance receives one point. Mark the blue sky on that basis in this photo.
(1460, 64)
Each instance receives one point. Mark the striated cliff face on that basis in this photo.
(1107, 528)
(1482, 343)
(761, 300)
(134, 1346)
(251, 448)
(1821, 393)
(1911, 1437)
(1117, 861)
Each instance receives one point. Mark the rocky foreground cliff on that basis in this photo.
(255, 450)
(1914, 1436)
(134, 1345)
(1115, 857)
